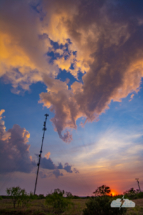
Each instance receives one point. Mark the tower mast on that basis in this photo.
(38, 164)
(138, 184)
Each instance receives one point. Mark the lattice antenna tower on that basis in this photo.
(137, 179)
(38, 164)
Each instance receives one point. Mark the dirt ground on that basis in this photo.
(138, 210)
(37, 207)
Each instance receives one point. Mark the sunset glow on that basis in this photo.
(114, 193)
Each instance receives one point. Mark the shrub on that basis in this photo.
(24, 199)
(69, 195)
(58, 202)
(41, 196)
(15, 193)
(131, 190)
(101, 205)
(32, 196)
(140, 195)
(76, 197)
(0, 198)
(18, 196)
(131, 193)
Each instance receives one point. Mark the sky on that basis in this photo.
(81, 62)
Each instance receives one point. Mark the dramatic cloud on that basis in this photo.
(47, 163)
(114, 58)
(23, 52)
(14, 150)
(15, 156)
(101, 39)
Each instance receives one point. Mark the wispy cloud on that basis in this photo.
(113, 148)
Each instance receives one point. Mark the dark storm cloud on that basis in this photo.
(15, 156)
(68, 168)
(14, 150)
(48, 164)
(124, 11)
(60, 166)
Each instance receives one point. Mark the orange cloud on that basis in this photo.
(47, 155)
(108, 49)
(23, 53)
(131, 97)
(1, 112)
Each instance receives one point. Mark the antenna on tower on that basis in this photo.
(38, 164)
(138, 183)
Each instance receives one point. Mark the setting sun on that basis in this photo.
(114, 193)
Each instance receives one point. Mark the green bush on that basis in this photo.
(131, 196)
(58, 202)
(131, 193)
(0, 198)
(18, 196)
(14, 193)
(32, 196)
(24, 199)
(41, 196)
(69, 195)
(101, 205)
(140, 195)
(76, 197)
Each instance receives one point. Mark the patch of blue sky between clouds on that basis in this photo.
(54, 54)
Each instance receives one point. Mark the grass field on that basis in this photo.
(37, 207)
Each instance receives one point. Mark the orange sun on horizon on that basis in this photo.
(114, 193)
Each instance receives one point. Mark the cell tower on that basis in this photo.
(138, 183)
(38, 164)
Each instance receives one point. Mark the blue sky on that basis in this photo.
(87, 75)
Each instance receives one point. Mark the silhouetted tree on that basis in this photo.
(102, 190)
(130, 191)
(69, 195)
